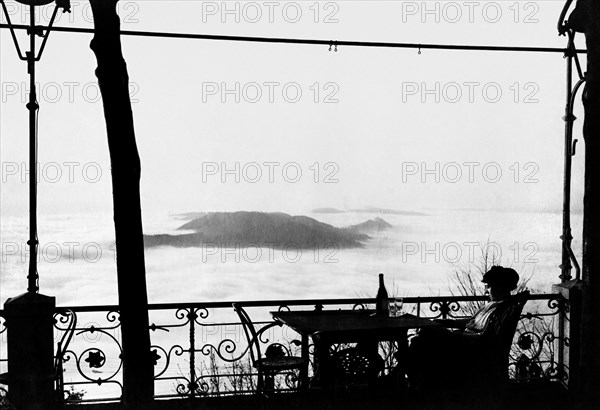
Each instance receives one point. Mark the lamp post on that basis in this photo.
(31, 57)
(30, 316)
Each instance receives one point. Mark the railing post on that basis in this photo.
(192, 316)
(570, 330)
(31, 373)
(585, 18)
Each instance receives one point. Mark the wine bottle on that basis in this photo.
(381, 301)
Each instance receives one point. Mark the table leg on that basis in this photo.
(304, 370)
(398, 374)
(322, 366)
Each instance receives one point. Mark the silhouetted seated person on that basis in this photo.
(438, 356)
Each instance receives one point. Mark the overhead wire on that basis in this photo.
(282, 40)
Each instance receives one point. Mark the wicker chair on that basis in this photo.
(277, 358)
(494, 350)
(479, 363)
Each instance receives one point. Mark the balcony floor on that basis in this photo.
(524, 396)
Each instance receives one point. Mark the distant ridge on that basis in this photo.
(262, 229)
(372, 225)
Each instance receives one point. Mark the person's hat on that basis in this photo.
(499, 275)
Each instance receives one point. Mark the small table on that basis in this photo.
(345, 326)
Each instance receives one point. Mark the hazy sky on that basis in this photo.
(243, 126)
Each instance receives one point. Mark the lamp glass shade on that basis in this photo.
(35, 2)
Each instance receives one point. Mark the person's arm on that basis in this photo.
(453, 323)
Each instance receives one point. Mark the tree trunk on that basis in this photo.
(138, 378)
(586, 18)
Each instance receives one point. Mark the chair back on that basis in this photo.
(250, 332)
(500, 333)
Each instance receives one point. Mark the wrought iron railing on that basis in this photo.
(200, 348)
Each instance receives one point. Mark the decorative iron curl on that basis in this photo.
(556, 371)
(550, 337)
(444, 308)
(531, 341)
(64, 317)
(558, 305)
(184, 389)
(179, 351)
(201, 313)
(181, 314)
(181, 388)
(284, 308)
(359, 306)
(96, 358)
(226, 345)
(201, 387)
(291, 380)
(263, 338)
(261, 334)
(69, 318)
(176, 349)
(113, 316)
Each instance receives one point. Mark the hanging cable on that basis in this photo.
(279, 40)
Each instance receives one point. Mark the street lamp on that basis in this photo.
(30, 336)
(31, 57)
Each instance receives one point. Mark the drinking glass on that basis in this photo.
(393, 308)
(398, 303)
